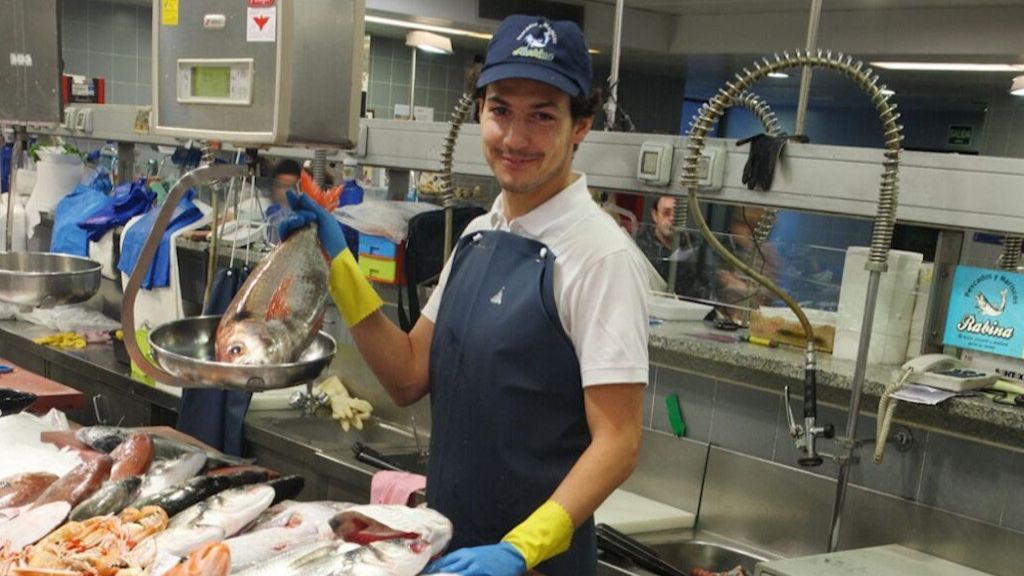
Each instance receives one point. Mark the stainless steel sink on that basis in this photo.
(685, 556)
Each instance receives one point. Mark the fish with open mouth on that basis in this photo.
(279, 309)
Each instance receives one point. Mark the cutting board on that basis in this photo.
(633, 514)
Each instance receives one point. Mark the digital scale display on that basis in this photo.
(217, 81)
(211, 81)
(649, 163)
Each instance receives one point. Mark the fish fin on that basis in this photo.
(278, 308)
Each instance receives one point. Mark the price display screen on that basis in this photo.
(211, 81)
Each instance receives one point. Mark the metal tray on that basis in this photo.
(185, 348)
(44, 279)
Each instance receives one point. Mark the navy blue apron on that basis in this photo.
(506, 397)
(214, 415)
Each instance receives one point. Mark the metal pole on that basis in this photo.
(412, 84)
(611, 104)
(805, 74)
(859, 369)
(11, 194)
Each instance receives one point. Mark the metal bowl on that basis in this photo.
(186, 349)
(43, 279)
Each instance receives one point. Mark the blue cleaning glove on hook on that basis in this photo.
(493, 560)
(306, 210)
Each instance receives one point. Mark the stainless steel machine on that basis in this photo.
(258, 71)
(30, 67)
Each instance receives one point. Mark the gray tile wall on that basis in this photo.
(979, 481)
(110, 40)
(439, 78)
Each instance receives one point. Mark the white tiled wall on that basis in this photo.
(110, 40)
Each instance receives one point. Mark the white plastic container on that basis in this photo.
(57, 175)
(894, 310)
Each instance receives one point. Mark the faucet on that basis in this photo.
(807, 434)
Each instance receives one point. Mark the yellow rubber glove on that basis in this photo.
(351, 291)
(348, 411)
(545, 534)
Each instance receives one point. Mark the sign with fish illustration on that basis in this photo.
(985, 312)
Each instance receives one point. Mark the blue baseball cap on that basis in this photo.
(533, 47)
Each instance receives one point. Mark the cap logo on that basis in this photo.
(536, 38)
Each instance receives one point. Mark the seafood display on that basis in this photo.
(132, 509)
(107, 438)
(280, 307)
(23, 488)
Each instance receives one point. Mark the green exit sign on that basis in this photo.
(959, 135)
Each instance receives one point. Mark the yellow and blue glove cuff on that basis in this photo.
(545, 534)
(351, 292)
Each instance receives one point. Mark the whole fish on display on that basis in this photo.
(113, 497)
(178, 497)
(241, 475)
(164, 474)
(399, 557)
(214, 519)
(24, 488)
(107, 438)
(78, 484)
(280, 307)
(132, 457)
(282, 528)
(376, 522)
(286, 487)
(210, 560)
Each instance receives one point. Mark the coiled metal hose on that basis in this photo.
(712, 111)
(458, 118)
(320, 167)
(1010, 260)
(770, 124)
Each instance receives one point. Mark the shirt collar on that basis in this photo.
(553, 215)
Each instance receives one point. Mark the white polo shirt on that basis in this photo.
(600, 281)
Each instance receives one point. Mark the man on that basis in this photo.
(656, 240)
(534, 345)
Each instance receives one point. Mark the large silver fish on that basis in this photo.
(112, 497)
(280, 307)
(214, 519)
(375, 522)
(284, 527)
(166, 473)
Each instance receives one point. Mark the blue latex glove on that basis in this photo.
(493, 560)
(306, 210)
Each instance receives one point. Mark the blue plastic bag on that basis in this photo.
(130, 200)
(83, 202)
(159, 273)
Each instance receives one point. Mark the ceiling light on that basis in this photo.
(778, 75)
(949, 67)
(429, 42)
(429, 27)
(1017, 88)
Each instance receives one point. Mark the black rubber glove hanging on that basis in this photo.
(765, 152)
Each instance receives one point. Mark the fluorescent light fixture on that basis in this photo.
(778, 75)
(949, 67)
(429, 42)
(428, 27)
(1017, 88)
